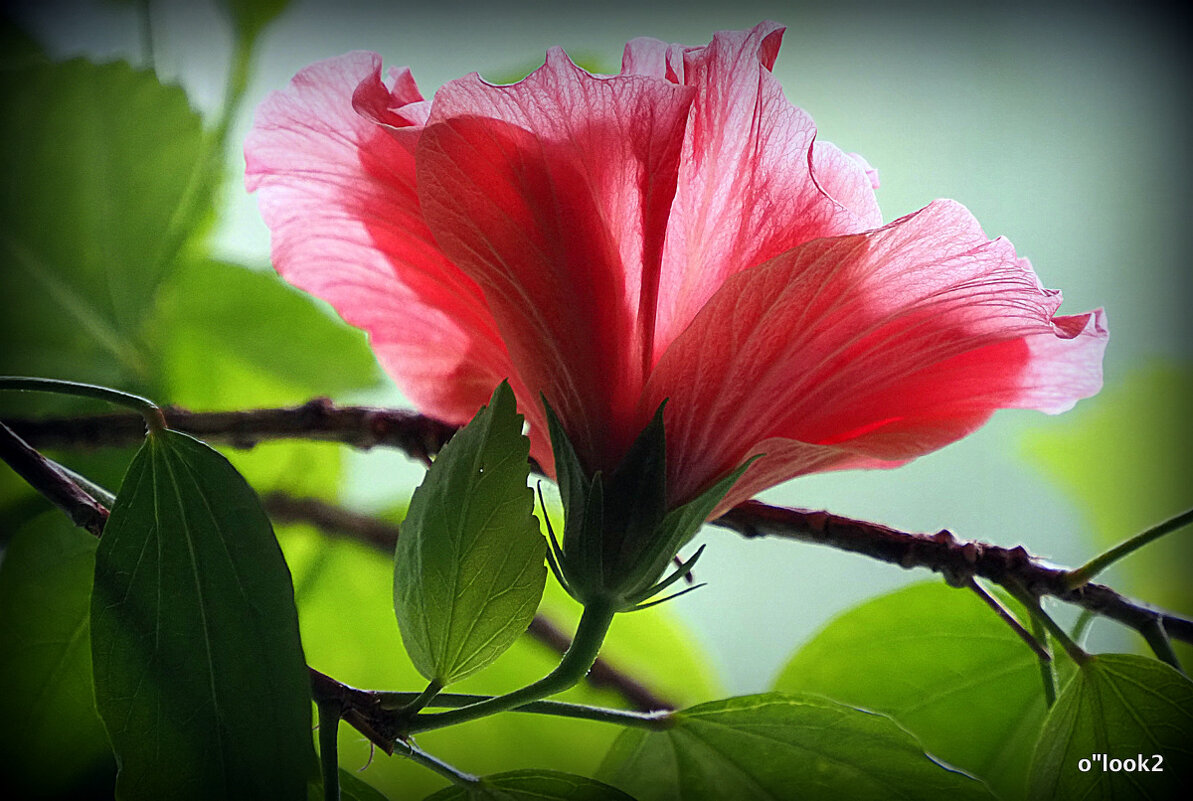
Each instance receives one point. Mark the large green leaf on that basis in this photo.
(230, 337)
(532, 785)
(95, 159)
(199, 672)
(52, 740)
(780, 746)
(942, 664)
(469, 568)
(1130, 709)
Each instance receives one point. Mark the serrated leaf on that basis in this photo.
(532, 785)
(199, 673)
(1123, 707)
(939, 662)
(780, 746)
(469, 567)
(51, 738)
(96, 159)
(345, 599)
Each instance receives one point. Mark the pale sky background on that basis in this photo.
(1062, 128)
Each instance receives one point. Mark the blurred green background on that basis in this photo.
(1063, 128)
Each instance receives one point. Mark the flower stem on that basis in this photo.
(576, 662)
(147, 408)
(661, 719)
(1082, 575)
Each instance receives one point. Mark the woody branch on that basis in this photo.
(421, 437)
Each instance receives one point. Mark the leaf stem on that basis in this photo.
(576, 662)
(329, 729)
(1007, 617)
(1047, 666)
(148, 409)
(455, 775)
(422, 700)
(1075, 651)
(1082, 575)
(1157, 638)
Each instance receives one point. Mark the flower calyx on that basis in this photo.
(620, 534)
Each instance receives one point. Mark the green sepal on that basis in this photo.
(569, 476)
(679, 526)
(554, 552)
(670, 597)
(636, 496)
(684, 569)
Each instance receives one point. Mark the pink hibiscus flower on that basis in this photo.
(672, 232)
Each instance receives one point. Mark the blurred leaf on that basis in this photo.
(943, 665)
(229, 337)
(96, 159)
(345, 602)
(199, 672)
(532, 785)
(252, 16)
(351, 789)
(780, 746)
(1126, 457)
(52, 738)
(1125, 707)
(469, 568)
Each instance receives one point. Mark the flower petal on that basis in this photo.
(753, 183)
(335, 185)
(553, 195)
(867, 350)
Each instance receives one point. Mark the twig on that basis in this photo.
(421, 437)
(339, 522)
(41, 474)
(943, 553)
(319, 419)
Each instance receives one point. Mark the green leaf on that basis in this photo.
(351, 789)
(1125, 708)
(469, 568)
(96, 159)
(230, 337)
(778, 746)
(199, 672)
(939, 662)
(532, 785)
(345, 604)
(52, 740)
(252, 16)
